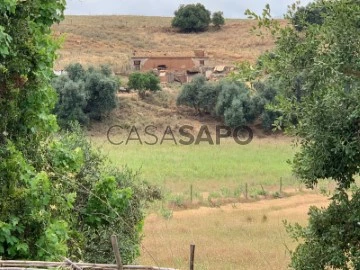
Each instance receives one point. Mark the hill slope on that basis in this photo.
(93, 40)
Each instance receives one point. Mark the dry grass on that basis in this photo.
(93, 40)
(242, 236)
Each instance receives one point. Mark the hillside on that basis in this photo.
(93, 40)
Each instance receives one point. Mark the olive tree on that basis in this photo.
(192, 18)
(218, 19)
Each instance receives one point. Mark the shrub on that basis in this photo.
(265, 97)
(200, 95)
(208, 95)
(218, 19)
(235, 104)
(192, 18)
(189, 94)
(72, 101)
(75, 72)
(102, 94)
(84, 94)
(313, 13)
(143, 82)
(49, 181)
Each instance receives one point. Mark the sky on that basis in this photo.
(231, 8)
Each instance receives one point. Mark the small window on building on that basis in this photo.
(202, 62)
(162, 67)
(137, 64)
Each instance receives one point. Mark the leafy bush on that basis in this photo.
(229, 100)
(327, 112)
(189, 94)
(313, 13)
(218, 19)
(102, 90)
(143, 82)
(50, 182)
(192, 18)
(200, 95)
(76, 72)
(84, 94)
(72, 101)
(235, 105)
(264, 100)
(74, 208)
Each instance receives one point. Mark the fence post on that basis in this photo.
(192, 256)
(246, 190)
(115, 247)
(191, 193)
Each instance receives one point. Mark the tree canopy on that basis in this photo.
(143, 82)
(318, 75)
(58, 195)
(218, 19)
(313, 13)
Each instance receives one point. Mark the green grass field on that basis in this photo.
(207, 167)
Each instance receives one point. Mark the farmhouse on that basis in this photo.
(171, 61)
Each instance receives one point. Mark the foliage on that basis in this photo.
(49, 180)
(143, 82)
(102, 88)
(200, 95)
(235, 105)
(190, 93)
(230, 100)
(322, 63)
(313, 13)
(76, 72)
(192, 18)
(84, 94)
(218, 19)
(332, 238)
(264, 100)
(72, 101)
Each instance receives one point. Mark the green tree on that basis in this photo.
(84, 94)
(313, 13)
(189, 94)
(76, 72)
(218, 19)
(235, 104)
(102, 94)
(72, 101)
(192, 18)
(326, 115)
(50, 181)
(264, 99)
(143, 82)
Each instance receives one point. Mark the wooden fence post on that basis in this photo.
(192, 256)
(115, 247)
(191, 193)
(246, 190)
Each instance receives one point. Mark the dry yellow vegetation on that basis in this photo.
(242, 236)
(94, 40)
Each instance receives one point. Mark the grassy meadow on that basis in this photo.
(209, 168)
